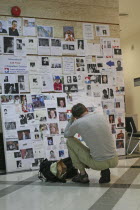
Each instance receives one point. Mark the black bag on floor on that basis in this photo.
(47, 175)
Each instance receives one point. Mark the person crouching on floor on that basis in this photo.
(100, 153)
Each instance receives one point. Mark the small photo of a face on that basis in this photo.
(62, 116)
(69, 80)
(111, 118)
(61, 102)
(117, 104)
(52, 114)
(75, 78)
(52, 154)
(54, 128)
(104, 79)
(5, 112)
(119, 144)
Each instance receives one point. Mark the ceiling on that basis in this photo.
(130, 24)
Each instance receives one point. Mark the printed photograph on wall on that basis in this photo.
(45, 31)
(68, 33)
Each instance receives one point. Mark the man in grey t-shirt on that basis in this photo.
(100, 153)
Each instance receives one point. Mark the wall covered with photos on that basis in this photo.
(47, 66)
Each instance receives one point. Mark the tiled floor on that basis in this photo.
(24, 191)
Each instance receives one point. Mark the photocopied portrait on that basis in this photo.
(52, 114)
(8, 45)
(3, 27)
(14, 26)
(61, 102)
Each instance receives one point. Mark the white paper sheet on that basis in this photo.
(8, 112)
(11, 64)
(3, 27)
(106, 46)
(80, 65)
(119, 104)
(88, 31)
(56, 65)
(35, 81)
(69, 48)
(56, 48)
(116, 43)
(93, 49)
(47, 83)
(20, 47)
(29, 28)
(119, 78)
(44, 64)
(44, 46)
(23, 81)
(68, 65)
(31, 45)
(1, 44)
(33, 64)
(81, 45)
(102, 30)
(100, 63)
(38, 149)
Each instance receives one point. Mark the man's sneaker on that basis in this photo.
(81, 178)
(105, 176)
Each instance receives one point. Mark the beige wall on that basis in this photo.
(90, 10)
(131, 58)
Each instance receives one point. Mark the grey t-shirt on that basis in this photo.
(94, 130)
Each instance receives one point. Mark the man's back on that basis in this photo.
(95, 131)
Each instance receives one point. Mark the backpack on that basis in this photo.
(47, 175)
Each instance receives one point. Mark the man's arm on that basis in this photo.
(71, 128)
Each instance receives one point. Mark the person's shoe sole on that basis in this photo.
(104, 181)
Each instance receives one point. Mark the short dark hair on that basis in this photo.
(14, 21)
(78, 110)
